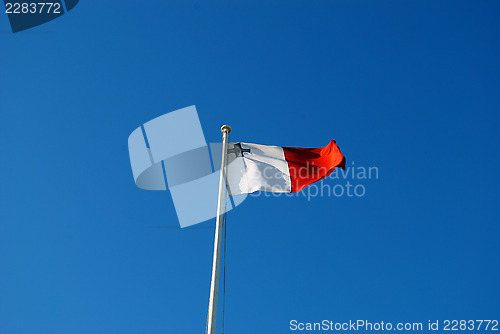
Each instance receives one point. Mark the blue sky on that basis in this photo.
(410, 87)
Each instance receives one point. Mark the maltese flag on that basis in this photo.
(254, 167)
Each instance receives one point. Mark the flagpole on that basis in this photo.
(214, 285)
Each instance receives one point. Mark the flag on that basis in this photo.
(254, 167)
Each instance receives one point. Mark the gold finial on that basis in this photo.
(225, 128)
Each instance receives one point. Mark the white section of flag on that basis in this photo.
(257, 168)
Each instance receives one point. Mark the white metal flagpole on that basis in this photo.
(214, 285)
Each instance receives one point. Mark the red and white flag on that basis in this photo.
(254, 167)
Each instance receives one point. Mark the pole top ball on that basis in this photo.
(225, 129)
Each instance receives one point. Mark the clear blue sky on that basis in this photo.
(411, 87)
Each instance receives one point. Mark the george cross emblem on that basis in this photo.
(238, 150)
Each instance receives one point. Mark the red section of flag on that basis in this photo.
(308, 165)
